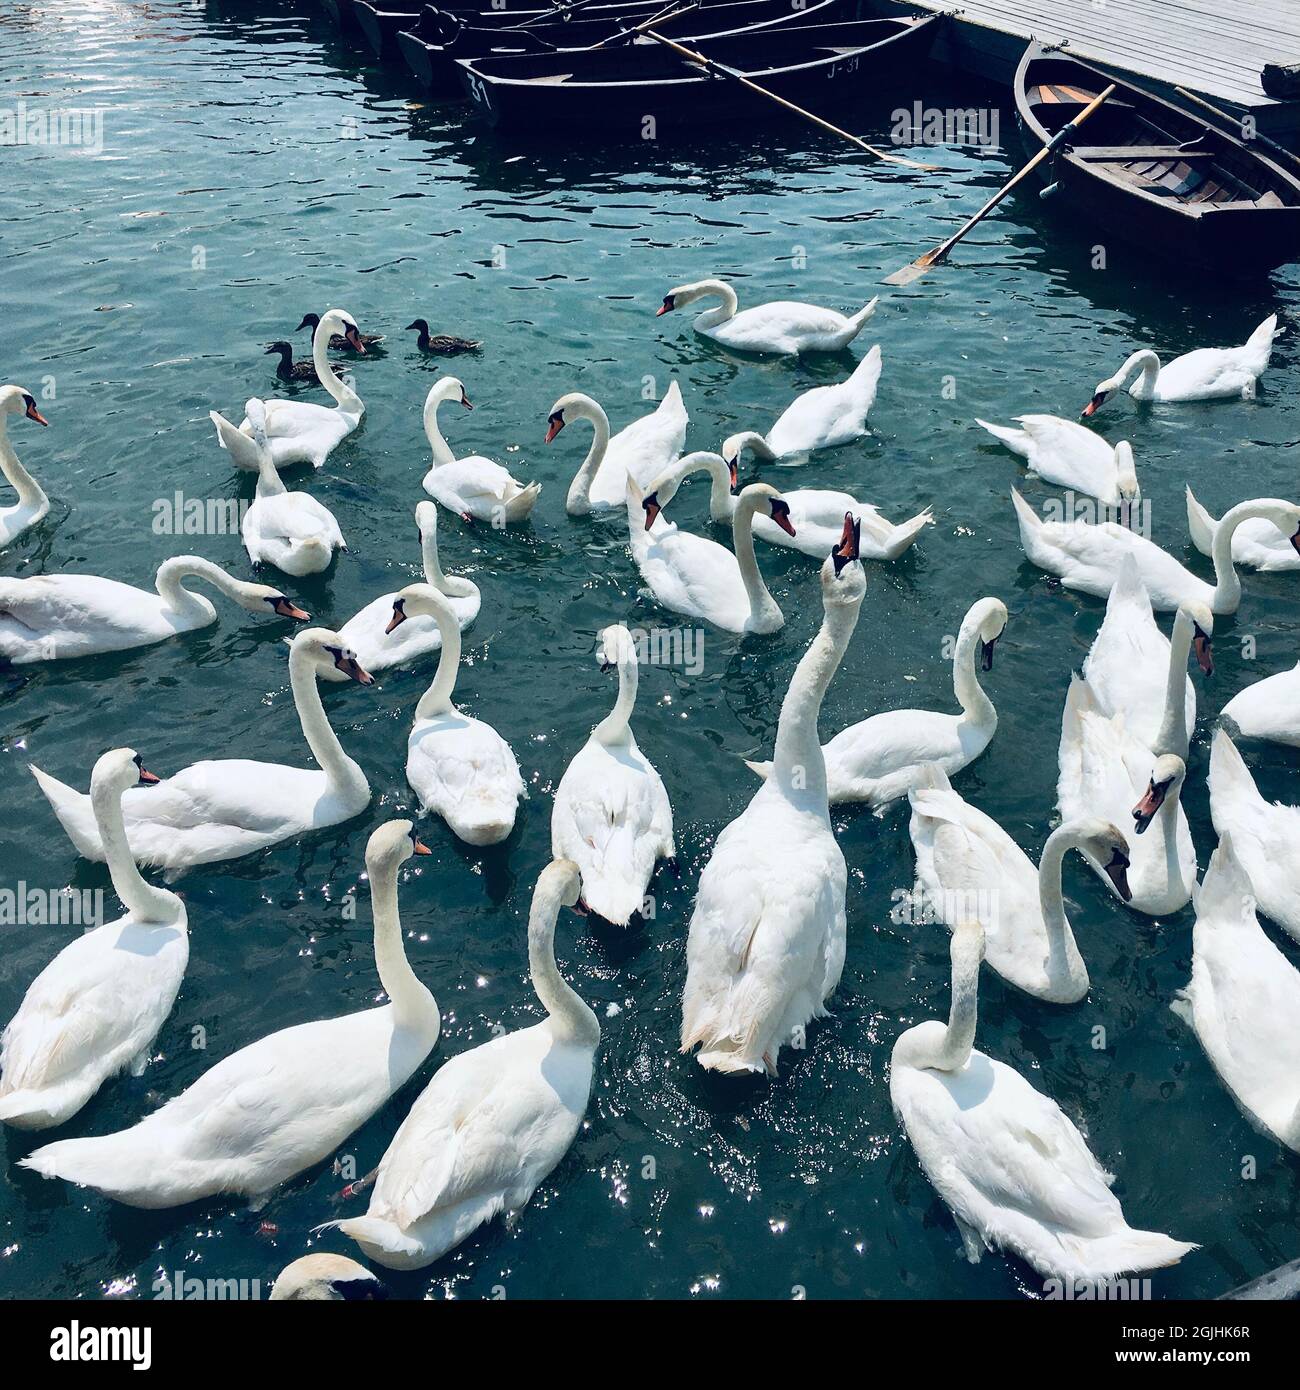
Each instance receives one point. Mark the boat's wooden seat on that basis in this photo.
(1105, 153)
(1053, 93)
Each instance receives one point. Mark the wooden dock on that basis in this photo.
(1215, 48)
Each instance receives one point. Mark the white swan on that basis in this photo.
(611, 815)
(643, 449)
(98, 1005)
(1204, 375)
(1269, 709)
(1133, 669)
(1006, 1159)
(877, 760)
(1087, 557)
(821, 418)
(282, 1104)
(290, 530)
(816, 515)
(767, 936)
(473, 487)
(696, 576)
(969, 868)
(32, 502)
(227, 807)
(494, 1121)
(1072, 456)
(366, 630)
(301, 432)
(1265, 835)
(1106, 771)
(783, 326)
(322, 1278)
(55, 617)
(1243, 1000)
(460, 767)
(1256, 543)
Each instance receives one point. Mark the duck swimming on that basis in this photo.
(444, 344)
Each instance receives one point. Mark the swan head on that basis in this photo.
(119, 770)
(1166, 778)
(322, 1278)
(562, 879)
(1284, 515)
(989, 618)
(1202, 620)
(257, 598)
(664, 488)
(339, 321)
(686, 294)
(735, 446)
(574, 406)
(613, 646)
(1104, 843)
(327, 651)
(448, 388)
(760, 496)
(14, 400)
(1126, 474)
(426, 520)
(843, 580)
(391, 846)
(418, 601)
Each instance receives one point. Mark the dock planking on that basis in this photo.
(1215, 48)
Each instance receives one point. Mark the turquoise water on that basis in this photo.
(230, 199)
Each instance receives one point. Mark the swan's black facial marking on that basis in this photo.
(780, 510)
(650, 505)
(554, 424)
(1117, 871)
(361, 1290)
(286, 608)
(415, 843)
(353, 335)
(667, 306)
(464, 399)
(1093, 405)
(347, 663)
(29, 402)
(399, 615)
(311, 321)
(1144, 812)
(147, 778)
(1204, 650)
(986, 652)
(733, 470)
(848, 549)
(1295, 540)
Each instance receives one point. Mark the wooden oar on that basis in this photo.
(662, 17)
(724, 71)
(1256, 139)
(918, 267)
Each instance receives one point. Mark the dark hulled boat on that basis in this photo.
(432, 48)
(1154, 174)
(619, 89)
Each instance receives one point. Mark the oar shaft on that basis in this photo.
(1228, 120)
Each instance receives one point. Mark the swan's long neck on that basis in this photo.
(437, 699)
(615, 727)
(441, 449)
(571, 1019)
(144, 902)
(171, 589)
(30, 492)
(1227, 583)
(742, 537)
(975, 704)
(269, 482)
(432, 564)
(339, 769)
(797, 761)
(710, 318)
(413, 1004)
(927, 1047)
(1149, 365)
(1174, 736)
(580, 488)
(344, 396)
(1062, 951)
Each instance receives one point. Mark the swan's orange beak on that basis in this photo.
(288, 609)
(1117, 872)
(734, 470)
(351, 667)
(354, 339)
(399, 615)
(847, 551)
(33, 413)
(1092, 406)
(666, 307)
(422, 849)
(147, 778)
(554, 424)
(1204, 652)
(652, 509)
(464, 399)
(781, 514)
(1144, 812)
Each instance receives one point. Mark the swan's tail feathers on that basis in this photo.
(1229, 776)
(1129, 1251)
(856, 323)
(1029, 520)
(105, 1162)
(378, 1237)
(1260, 341)
(74, 813)
(759, 769)
(1201, 525)
(1225, 890)
(902, 535)
(27, 1109)
(1128, 586)
(1015, 440)
(866, 375)
(523, 502)
(242, 450)
(930, 777)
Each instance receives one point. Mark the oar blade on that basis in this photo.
(910, 272)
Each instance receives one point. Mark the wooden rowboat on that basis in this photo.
(620, 91)
(432, 48)
(1157, 175)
